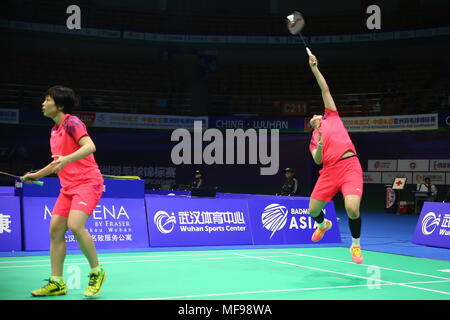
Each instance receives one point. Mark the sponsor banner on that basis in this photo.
(391, 123)
(383, 36)
(413, 165)
(9, 116)
(440, 165)
(145, 121)
(87, 117)
(362, 37)
(10, 224)
(382, 165)
(320, 39)
(388, 177)
(341, 38)
(214, 39)
(435, 177)
(115, 223)
(133, 35)
(244, 123)
(372, 177)
(280, 221)
(433, 227)
(404, 34)
(193, 222)
(390, 198)
(294, 108)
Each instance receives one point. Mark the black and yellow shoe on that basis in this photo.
(95, 283)
(52, 288)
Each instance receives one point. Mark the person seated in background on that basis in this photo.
(290, 186)
(426, 186)
(447, 196)
(198, 179)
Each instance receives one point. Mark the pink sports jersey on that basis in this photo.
(64, 141)
(336, 140)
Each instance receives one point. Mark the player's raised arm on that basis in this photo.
(326, 95)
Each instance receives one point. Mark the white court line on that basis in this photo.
(146, 260)
(282, 290)
(341, 273)
(146, 256)
(367, 265)
(445, 270)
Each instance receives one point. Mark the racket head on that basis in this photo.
(295, 22)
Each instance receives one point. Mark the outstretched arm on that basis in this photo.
(326, 95)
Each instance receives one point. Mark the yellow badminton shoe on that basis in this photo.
(357, 256)
(52, 288)
(95, 283)
(320, 232)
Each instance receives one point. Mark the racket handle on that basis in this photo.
(37, 182)
(309, 52)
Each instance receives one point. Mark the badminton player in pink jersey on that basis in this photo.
(82, 186)
(331, 146)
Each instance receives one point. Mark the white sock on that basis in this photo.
(355, 242)
(323, 224)
(96, 269)
(58, 279)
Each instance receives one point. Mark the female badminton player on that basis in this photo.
(331, 146)
(82, 186)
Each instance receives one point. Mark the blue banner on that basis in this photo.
(233, 220)
(115, 223)
(281, 220)
(433, 226)
(112, 188)
(10, 224)
(178, 221)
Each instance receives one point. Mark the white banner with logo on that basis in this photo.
(382, 165)
(388, 177)
(440, 165)
(372, 177)
(413, 165)
(9, 116)
(392, 123)
(145, 121)
(435, 177)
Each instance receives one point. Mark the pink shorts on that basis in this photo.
(345, 176)
(83, 197)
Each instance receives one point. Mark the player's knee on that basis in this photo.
(353, 212)
(57, 232)
(314, 212)
(76, 228)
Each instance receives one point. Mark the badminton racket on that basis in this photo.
(295, 23)
(121, 177)
(36, 182)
